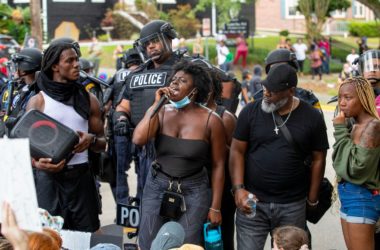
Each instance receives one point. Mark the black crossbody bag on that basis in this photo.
(313, 214)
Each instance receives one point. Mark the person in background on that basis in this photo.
(282, 44)
(247, 76)
(94, 54)
(198, 46)
(355, 160)
(300, 49)
(345, 73)
(222, 53)
(288, 41)
(362, 43)
(290, 238)
(316, 61)
(117, 56)
(325, 47)
(241, 51)
(350, 59)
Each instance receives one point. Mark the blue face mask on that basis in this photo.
(182, 103)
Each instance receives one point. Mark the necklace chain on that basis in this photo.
(276, 127)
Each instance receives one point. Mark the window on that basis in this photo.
(338, 13)
(358, 10)
(291, 9)
(20, 1)
(98, 1)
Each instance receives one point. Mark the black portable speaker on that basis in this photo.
(48, 138)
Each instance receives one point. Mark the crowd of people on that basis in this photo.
(196, 160)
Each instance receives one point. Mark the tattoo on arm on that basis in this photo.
(371, 135)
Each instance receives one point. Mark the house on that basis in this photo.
(86, 14)
(277, 15)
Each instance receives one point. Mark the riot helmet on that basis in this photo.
(369, 65)
(131, 57)
(155, 31)
(281, 56)
(85, 65)
(26, 61)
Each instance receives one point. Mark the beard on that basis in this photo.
(271, 107)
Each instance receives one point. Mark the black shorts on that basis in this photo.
(71, 194)
(300, 64)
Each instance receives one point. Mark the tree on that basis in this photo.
(184, 21)
(15, 21)
(374, 5)
(35, 29)
(316, 13)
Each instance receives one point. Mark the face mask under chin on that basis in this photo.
(182, 103)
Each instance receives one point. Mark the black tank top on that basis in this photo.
(182, 157)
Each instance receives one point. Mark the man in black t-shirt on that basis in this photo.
(262, 161)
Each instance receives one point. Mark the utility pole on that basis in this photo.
(35, 12)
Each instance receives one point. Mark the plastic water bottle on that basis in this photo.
(251, 202)
(213, 237)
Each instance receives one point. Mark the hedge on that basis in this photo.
(368, 29)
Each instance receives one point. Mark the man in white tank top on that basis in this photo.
(68, 188)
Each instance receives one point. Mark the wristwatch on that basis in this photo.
(236, 187)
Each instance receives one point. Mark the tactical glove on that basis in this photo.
(121, 124)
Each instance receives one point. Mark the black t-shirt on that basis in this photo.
(274, 171)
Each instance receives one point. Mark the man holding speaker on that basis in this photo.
(67, 188)
(141, 85)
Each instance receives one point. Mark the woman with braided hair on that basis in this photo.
(356, 162)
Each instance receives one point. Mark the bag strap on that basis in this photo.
(285, 131)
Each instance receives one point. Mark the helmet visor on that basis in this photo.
(370, 61)
(143, 43)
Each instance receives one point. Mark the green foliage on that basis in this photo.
(338, 5)
(284, 33)
(184, 21)
(122, 28)
(103, 37)
(223, 9)
(368, 29)
(15, 21)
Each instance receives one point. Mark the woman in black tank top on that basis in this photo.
(187, 136)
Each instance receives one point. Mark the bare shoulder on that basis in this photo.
(94, 103)
(229, 117)
(36, 102)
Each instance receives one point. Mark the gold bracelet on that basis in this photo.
(214, 210)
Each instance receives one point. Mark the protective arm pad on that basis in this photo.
(122, 124)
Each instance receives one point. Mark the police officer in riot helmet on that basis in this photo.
(91, 86)
(155, 49)
(24, 66)
(369, 68)
(119, 145)
(286, 56)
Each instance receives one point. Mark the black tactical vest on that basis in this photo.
(141, 87)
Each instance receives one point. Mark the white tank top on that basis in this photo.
(67, 115)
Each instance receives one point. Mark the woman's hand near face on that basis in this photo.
(339, 119)
(162, 91)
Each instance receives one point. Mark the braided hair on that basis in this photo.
(365, 93)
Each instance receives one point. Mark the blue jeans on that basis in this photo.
(123, 160)
(197, 194)
(252, 233)
(146, 156)
(358, 204)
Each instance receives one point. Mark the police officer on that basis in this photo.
(90, 85)
(119, 145)
(25, 64)
(286, 56)
(155, 48)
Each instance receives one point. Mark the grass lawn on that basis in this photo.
(259, 47)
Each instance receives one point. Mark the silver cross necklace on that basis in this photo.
(276, 127)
